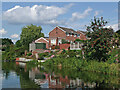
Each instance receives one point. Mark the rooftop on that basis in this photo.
(69, 30)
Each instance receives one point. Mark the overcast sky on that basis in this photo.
(48, 15)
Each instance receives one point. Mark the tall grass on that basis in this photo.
(91, 65)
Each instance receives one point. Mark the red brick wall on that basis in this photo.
(82, 36)
(43, 41)
(71, 38)
(56, 32)
(64, 46)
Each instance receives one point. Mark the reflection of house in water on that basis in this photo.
(53, 81)
(46, 80)
(80, 83)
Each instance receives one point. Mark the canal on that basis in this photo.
(22, 75)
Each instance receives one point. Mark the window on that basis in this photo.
(67, 34)
(74, 35)
(59, 41)
(53, 41)
(78, 35)
(71, 34)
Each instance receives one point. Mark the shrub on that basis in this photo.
(71, 53)
(64, 51)
(29, 54)
(42, 55)
(57, 47)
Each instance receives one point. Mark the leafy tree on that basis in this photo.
(6, 42)
(117, 37)
(18, 44)
(29, 34)
(118, 32)
(99, 43)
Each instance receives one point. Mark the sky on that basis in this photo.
(73, 15)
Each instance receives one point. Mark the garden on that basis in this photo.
(101, 51)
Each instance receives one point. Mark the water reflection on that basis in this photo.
(37, 76)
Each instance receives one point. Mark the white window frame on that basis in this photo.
(74, 35)
(53, 41)
(68, 34)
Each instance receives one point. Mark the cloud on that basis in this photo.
(14, 36)
(96, 13)
(2, 31)
(114, 26)
(36, 14)
(77, 15)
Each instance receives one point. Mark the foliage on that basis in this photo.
(113, 57)
(116, 41)
(71, 53)
(29, 54)
(42, 55)
(6, 42)
(64, 51)
(79, 40)
(29, 34)
(57, 47)
(9, 55)
(19, 51)
(64, 41)
(84, 65)
(18, 44)
(99, 44)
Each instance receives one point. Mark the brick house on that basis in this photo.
(59, 33)
(56, 36)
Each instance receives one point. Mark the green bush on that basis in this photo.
(64, 51)
(84, 65)
(71, 53)
(29, 54)
(42, 55)
(57, 47)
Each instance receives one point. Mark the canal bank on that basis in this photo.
(37, 76)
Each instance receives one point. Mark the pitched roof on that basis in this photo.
(83, 32)
(46, 39)
(68, 30)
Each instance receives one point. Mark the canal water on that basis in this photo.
(22, 75)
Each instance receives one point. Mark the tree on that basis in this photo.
(18, 44)
(29, 34)
(6, 42)
(117, 37)
(99, 43)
